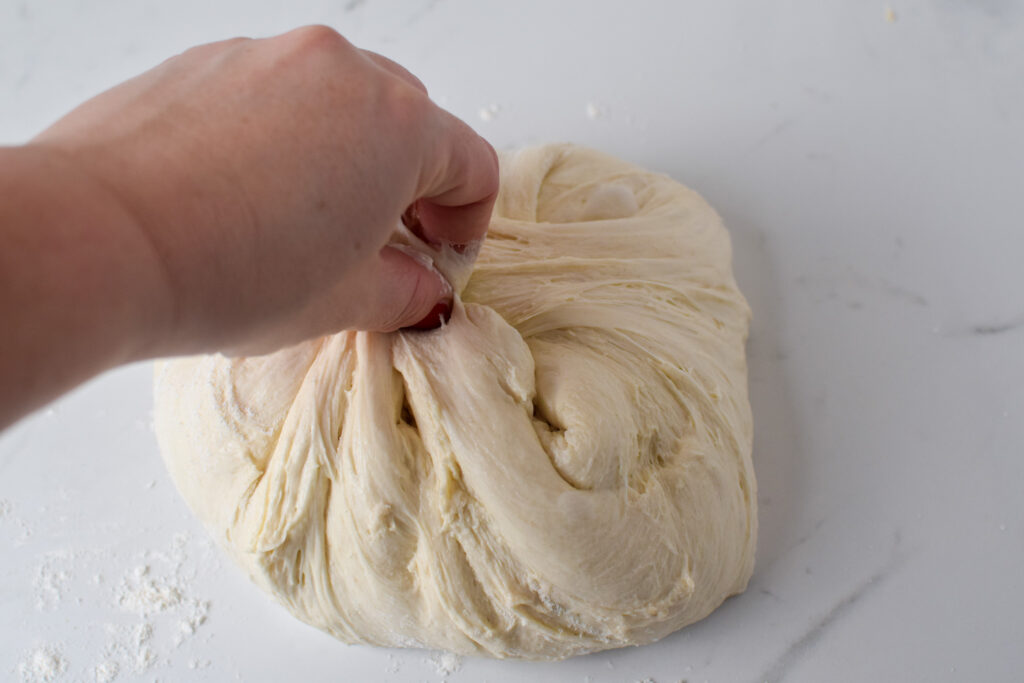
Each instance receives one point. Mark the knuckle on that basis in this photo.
(407, 107)
(315, 39)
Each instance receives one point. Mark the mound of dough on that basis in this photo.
(563, 468)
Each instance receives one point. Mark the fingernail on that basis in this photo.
(411, 220)
(439, 314)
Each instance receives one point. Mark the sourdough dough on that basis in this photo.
(563, 468)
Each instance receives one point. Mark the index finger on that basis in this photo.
(458, 184)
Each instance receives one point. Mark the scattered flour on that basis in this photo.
(25, 530)
(890, 15)
(150, 612)
(394, 665)
(5, 508)
(593, 111)
(51, 578)
(107, 671)
(144, 594)
(42, 665)
(489, 112)
(445, 663)
(157, 592)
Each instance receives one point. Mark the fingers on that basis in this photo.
(457, 190)
(458, 185)
(398, 291)
(459, 181)
(392, 291)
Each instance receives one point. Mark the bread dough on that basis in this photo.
(563, 468)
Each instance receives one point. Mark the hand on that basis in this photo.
(265, 178)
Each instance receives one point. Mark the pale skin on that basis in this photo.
(239, 197)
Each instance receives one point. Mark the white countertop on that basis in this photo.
(872, 174)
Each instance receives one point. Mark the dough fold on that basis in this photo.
(564, 467)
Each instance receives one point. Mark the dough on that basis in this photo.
(563, 468)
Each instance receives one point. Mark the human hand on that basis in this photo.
(267, 176)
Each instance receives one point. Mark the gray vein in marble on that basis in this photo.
(988, 329)
(996, 9)
(809, 535)
(776, 130)
(896, 291)
(999, 328)
(353, 5)
(422, 12)
(817, 94)
(828, 288)
(806, 642)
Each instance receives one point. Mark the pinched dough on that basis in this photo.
(563, 468)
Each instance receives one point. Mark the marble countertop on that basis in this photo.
(868, 160)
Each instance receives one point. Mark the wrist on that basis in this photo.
(115, 274)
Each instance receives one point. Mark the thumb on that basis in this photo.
(401, 291)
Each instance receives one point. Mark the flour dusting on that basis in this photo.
(147, 611)
(158, 593)
(51, 579)
(43, 665)
(445, 663)
(145, 594)
(489, 113)
(107, 671)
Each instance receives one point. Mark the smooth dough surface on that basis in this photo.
(563, 468)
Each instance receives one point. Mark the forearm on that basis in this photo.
(238, 197)
(78, 289)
